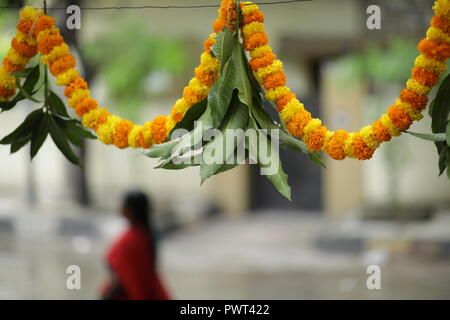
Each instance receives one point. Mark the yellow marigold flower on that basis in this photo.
(437, 34)
(368, 137)
(29, 13)
(196, 85)
(134, 137)
(47, 32)
(348, 146)
(106, 131)
(7, 81)
(22, 37)
(209, 63)
(274, 95)
(442, 8)
(260, 51)
(431, 65)
(248, 7)
(66, 77)
(57, 52)
(77, 96)
(312, 125)
(290, 110)
(417, 87)
(147, 133)
(252, 28)
(170, 123)
(94, 118)
(262, 73)
(412, 112)
(387, 123)
(16, 58)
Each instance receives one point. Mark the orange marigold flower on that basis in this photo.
(219, 24)
(85, 105)
(284, 100)
(120, 136)
(141, 141)
(208, 44)
(11, 67)
(399, 117)
(255, 16)
(77, 83)
(47, 43)
(101, 120)
(424, 77)
(434, 49)
(298, 123)
(441, 23)
(316, 139)
(24, 26)
(335, 147)
(274, 80)
(205, 77)
(23, 48)
(416, 101)
(177, 116)
(256, 40)
(380, 132)
(41, 24)
(62, 64)
(361, 150)
(6, 93)
(266, 59)
(159, 131)
(191, 96)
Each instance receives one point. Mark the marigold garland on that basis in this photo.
(36, 33)
(268, 70)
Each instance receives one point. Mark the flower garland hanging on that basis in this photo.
(242, 83)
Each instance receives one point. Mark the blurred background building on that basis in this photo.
(341, 219)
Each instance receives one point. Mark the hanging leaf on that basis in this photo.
(236, 118)
(223, 47)
(436, 137)
(19, 143)
(56, 105)
(61, 141)
(39, 134)
(73, 130)
(280, 178)
(24, 129)
(443, 156)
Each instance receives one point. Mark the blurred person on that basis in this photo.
(132, 258)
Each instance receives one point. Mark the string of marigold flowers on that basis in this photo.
(36, 33)
(428, 66)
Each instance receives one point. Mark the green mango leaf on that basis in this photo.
(19, 143)
(223, 47)
(56, 105)
(440, 110)
(436, 137)
(280, 178)
(236, 118)
(39, 134)
(444, 155)
(242, 80)
(221, 93)
(163, 150)
(447, 138)
(74, 131)
(191, 116)
(8, 105)
(448, 166)
(61, 141)
(24, 129)
(23, 73)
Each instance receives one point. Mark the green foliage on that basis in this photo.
(50, 119)
(235, 102)
(128, 55)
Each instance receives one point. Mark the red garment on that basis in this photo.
(131, 260)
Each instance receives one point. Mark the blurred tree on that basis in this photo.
(129, 57)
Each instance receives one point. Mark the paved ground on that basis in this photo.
(268, 256)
